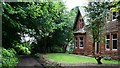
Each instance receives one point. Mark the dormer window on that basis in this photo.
(113, 15)
(80, 20)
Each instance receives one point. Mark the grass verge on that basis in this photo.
(72, 59)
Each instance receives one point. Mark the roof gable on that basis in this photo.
(78, 16)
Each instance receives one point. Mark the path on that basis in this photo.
(27, 61)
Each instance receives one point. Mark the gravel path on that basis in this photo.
(26, 61)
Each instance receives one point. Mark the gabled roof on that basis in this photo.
(77, 17)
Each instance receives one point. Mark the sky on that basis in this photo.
(73, 3)
(70, 4)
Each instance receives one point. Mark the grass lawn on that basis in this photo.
(71, 58)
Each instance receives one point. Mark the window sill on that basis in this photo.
(108, 21)
(107, 49)
(114, 49)
(76, 47)
(114, 20)
(81, 47)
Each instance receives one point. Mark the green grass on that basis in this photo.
(70, 58)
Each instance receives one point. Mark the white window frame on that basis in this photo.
(79, 43)
(112, 42)
(106, 44)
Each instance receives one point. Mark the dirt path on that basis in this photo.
(26, 61)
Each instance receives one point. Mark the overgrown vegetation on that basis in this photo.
(23, 48)
(49, 25)
(9, 58)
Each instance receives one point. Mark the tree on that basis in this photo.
(96, 12)
(43, 21)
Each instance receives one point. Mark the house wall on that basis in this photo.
(87, 49)
(112, 27)
(77, 49)
(80, 23)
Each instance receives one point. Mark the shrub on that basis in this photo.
(23, 48)
(9, 58)
(57, 49)
(37, 55)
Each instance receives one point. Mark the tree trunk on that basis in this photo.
(98, 59)
(45, 44)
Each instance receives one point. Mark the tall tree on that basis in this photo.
(42, 20)
(96, 12)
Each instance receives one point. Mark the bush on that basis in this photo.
(37, 55)
(9, 58)
(23, 48)
(57, 49)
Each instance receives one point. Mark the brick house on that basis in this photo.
(83, 39)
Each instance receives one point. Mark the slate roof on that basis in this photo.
(80, 11)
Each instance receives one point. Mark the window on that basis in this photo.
(80, 20)
(113, 15)
(76, 44)
(114, 41)
(108, 17)
(107, 46)
(81, 42)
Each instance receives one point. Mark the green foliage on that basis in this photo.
(115, 6)
(9, 58)
(48, 22)
(57, 49)
(71, 45)
(23, 48)
(37, 55)
(96, 13)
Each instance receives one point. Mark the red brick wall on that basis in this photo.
(87, 49)
(79, 23)
(111, 28)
